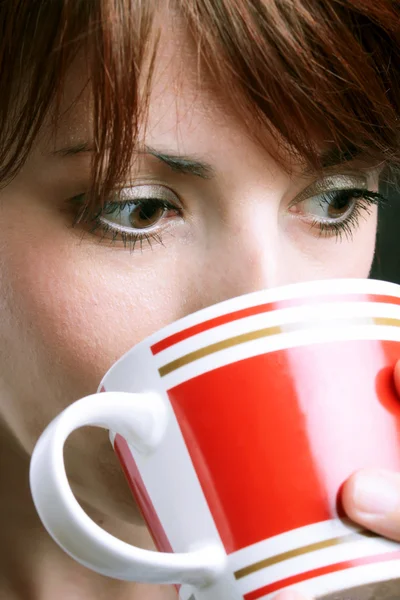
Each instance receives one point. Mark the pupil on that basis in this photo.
(146, 215)
(342, 200)
(340, 203)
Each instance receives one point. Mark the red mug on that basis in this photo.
(236, 428)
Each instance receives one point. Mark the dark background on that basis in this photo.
(387, 257)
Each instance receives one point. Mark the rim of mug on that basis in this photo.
(323, 287)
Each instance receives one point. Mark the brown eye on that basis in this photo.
(147, 214)
(140, 208)
(334, 205)
(338, 203)
(139, 215)
(134, 215)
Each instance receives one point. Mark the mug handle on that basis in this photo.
(141, 419)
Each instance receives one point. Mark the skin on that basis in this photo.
(71, 303)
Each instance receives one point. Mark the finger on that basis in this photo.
(371, 497)
(290, 594)
(397, 377)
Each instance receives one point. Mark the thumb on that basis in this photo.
(371, 497)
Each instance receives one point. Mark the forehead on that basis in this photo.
(187, 111)
(185, 106)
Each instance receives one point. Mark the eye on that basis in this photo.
(335, 205)
(134, 215)
(331, 205)
(139, 208)
(137, 215)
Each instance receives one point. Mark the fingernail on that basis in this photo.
(375, 494)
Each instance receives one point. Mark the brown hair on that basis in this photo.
(333, 65)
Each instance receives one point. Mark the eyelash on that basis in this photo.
(363, 201)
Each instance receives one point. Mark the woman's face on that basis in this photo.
(74, 300)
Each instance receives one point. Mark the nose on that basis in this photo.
(239, 260)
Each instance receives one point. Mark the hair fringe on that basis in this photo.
(308, 72)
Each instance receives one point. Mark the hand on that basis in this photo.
(371, 497)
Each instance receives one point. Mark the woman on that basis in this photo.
(158, 157)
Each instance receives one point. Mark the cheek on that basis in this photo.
(84, 305)
(358, 252)
(345, 257)
(73, 310)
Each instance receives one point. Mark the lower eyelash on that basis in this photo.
(129, 240)
(365, 199)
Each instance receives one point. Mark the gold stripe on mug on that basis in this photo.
(186, 359)
(216, 347)
(273, 560)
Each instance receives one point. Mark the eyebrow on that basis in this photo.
(336, 156)
(332, 159)
(179, 163)
(190, 165)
